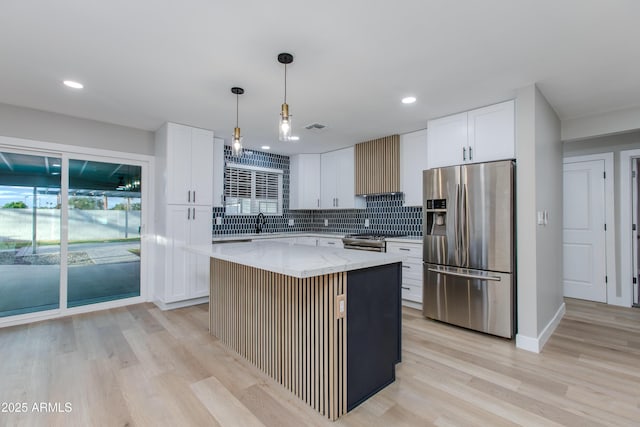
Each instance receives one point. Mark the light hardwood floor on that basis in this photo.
(141, 366)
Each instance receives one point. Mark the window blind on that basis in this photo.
(251, 190)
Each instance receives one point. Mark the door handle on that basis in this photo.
(464, 154)
(465, 275)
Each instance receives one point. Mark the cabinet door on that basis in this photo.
(345, 172)
(178, 233)
(304, 183)
(200, 234)
(492, 132)
(201, 168)
(218, 172)
(413, 160)
(178, 164)
(447, 141)
(329, 180)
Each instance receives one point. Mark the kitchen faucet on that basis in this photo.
(260, 221)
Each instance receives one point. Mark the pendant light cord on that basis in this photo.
(237, 107)
(285, 83)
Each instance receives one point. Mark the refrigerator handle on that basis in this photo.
(456, 219)
(465, 275)
(465, 225)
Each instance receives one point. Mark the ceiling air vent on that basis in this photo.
(315, 126)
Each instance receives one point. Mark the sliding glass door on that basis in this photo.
(104, 232)
(70, 232)
(29, 233)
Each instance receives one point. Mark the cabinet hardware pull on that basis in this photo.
(406, 287)
(337, 202)
(188, 213)
(464, 154)
(189, 196)
(194, 197)
(194, 209)
(331, 243)
(406, 266)
(404, 249)
(318, 202)
(470, 153)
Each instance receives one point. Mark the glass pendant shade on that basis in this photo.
(236, 144)
(285, 124)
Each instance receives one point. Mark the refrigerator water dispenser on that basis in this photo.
(436, 212)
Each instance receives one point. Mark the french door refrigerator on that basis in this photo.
(468, 251)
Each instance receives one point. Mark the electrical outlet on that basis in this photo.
(341, 304)
(366, 222)
(290, 223)
(218, 220)
(326, 222)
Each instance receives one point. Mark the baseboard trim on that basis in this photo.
(535, 345)
(180, 304)
(412, 304)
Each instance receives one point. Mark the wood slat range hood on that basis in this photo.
(377, 168)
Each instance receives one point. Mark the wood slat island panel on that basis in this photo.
(287, 327)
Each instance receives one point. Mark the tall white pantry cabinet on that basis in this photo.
(183, 208)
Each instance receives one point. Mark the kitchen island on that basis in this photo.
(323, 322)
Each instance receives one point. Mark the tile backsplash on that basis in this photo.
(385, 212)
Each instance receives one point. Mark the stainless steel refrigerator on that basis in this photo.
(469, 254)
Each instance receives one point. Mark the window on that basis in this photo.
(250, 190)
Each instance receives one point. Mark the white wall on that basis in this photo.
(39, 125)
(609, 144)
(539, 187)
(602, 124)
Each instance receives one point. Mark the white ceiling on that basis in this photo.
(144, 62)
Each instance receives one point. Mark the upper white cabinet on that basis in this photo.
(337, 186)
(189, 154)
(218, 172)
(413, 160)
(304, 182)
(492, 132)
(480, 135)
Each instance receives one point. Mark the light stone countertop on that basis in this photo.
(295, 260)
(267, 235)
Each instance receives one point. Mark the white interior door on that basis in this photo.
(584, 254)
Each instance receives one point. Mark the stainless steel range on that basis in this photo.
(374, 242)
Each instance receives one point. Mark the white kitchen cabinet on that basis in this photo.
(183, 214)
(413, 160)
(330, 242)
(411, 270)
(480, 135)
(189, 154)
(304, 182)
(186, 273)
(337, 186)
(218, 172)
(492, 132)
(446, 140)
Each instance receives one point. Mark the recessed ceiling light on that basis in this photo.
(72, 84)
(408, 99)
(265, 147)
(294, 138)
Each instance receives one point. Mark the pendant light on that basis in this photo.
(236, 142)
(285, 117)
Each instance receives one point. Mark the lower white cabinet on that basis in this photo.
(186, 273)
(411, 269)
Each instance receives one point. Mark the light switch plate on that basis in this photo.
(326, 222)
(290, 223)
(366, 222)
(218, 220)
